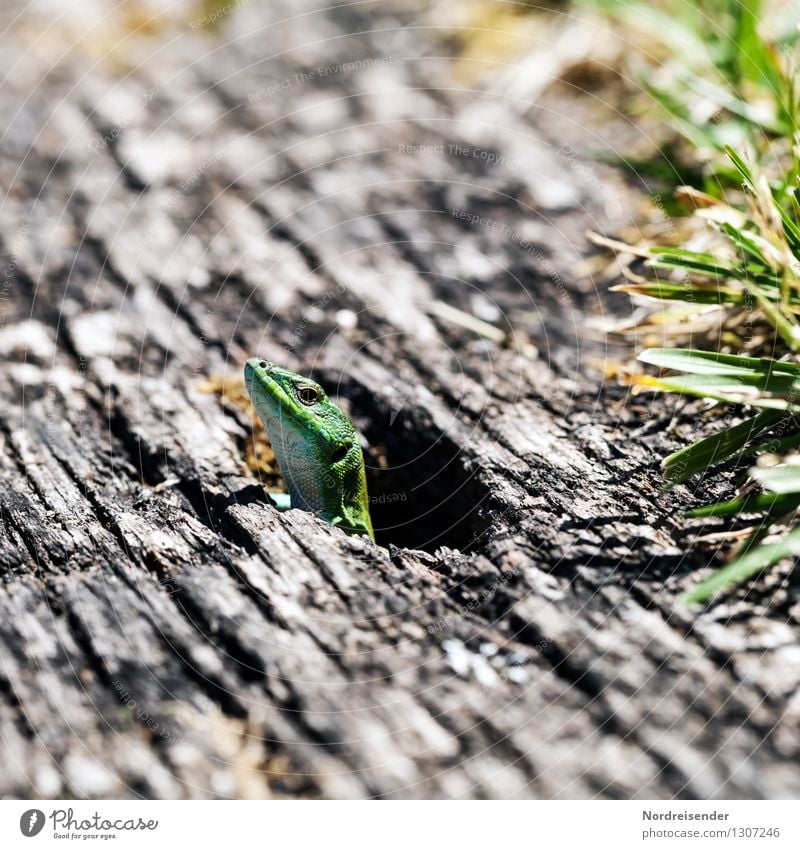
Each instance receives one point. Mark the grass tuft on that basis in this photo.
(729, 86)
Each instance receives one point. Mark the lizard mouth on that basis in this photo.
(263, 388)
(253, 369)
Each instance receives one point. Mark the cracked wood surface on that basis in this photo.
(175, 205)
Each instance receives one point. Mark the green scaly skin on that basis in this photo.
(315, 444)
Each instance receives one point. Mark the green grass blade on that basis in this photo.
(728, 100)
(774, 503)
(741, 166)
(782, 479)
(754, 561)
(703, 137)
(773, 445)
(700, 456)
(783, 322)
(716, 389)
(711, 362)
(744, 241)
(695, 261)
(790, 229)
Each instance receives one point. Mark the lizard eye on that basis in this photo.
(308, 395)
(263, 364)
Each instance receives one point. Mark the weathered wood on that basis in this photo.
(164, 631)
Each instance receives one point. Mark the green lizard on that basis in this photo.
(315, 443)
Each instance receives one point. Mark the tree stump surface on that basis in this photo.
(326, 188)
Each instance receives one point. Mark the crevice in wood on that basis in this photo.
(110, 136)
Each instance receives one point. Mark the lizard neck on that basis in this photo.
(348, 504)
(337, 493)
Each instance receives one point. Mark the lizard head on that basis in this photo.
(297, 411)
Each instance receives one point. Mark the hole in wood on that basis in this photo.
(422, 492)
